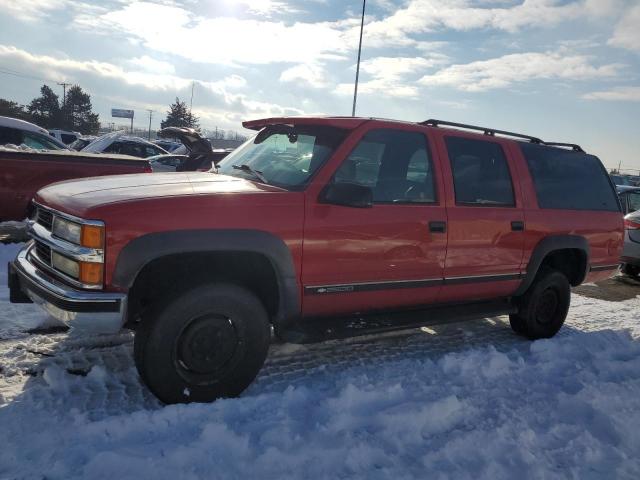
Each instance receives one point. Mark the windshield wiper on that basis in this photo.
(256, 173)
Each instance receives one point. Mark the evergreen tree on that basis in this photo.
(180, 116)
(78, 112)
(13, 110)
(45, 110)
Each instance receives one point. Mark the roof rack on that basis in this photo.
(487, 131)
(572, 146)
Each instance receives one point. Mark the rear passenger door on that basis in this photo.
(485, 219)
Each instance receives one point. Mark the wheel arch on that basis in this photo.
(557, 251)
(142, 252)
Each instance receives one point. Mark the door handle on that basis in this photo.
(438, 227)
(517, 226)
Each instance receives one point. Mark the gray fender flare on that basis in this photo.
(142, 250)
(548, 245)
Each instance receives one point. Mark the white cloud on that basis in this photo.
(627, 31)
(520, 67)
(619, 94)
(390, 76)
(221, 40)
(29, 10)
(229, 106)
(148, 64)
(309, 74)
(423, 16)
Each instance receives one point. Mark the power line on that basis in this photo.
(7, 71)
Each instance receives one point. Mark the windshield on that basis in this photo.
(286, 157)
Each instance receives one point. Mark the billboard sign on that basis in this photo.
(120, 113)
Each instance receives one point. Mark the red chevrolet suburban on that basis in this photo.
(312, 223)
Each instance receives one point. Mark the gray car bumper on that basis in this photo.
(91, 311)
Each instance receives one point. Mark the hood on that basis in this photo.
(77, 196)
(189, 137)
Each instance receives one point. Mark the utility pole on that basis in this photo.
(64, 99)
(150, 114)
(355, 91)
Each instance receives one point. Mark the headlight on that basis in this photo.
(91, 236)
(86, 272)
(67, 230)
(65, 265)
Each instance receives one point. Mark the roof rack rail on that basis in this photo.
(487, 131)
(572, 146)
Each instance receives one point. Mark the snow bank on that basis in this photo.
(565, 407)
(462, 402)
(15, 319)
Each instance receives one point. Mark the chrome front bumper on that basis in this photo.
(90, 311)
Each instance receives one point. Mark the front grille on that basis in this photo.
(45, 218)
(43, 252)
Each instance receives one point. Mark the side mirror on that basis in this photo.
(347, 195)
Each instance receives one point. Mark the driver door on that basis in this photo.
(391, 254)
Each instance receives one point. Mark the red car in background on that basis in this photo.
(23, 173)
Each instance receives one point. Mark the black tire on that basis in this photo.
(632, 271)
(208, 343)
(544, 306)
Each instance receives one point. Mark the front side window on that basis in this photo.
(395, 164)
(283, 155)
(480, 172)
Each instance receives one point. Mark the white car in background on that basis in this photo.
(20, 133)
(65, 136)
(120, 143)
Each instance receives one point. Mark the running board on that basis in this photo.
(311, 330)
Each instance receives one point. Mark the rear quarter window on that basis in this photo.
(569, 180)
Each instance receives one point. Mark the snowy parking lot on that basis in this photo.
(468, 400)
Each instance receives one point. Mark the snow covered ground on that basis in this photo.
(463, 401)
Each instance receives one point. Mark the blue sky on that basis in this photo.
(565, 70)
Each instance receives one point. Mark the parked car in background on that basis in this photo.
(621, 180)
(197, 149)
(82, 142)
(629, 198)
(313, 228)
(22, 174)
(166, 163)
(168, 145)
(122, 144)
(631, 251)
(65, 136)
(25, 134)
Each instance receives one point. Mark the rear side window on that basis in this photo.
(569, 180)
(480, 172)
(66, 138)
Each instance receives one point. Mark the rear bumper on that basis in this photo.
(91, 311)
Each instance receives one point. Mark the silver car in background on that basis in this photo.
(631, 251)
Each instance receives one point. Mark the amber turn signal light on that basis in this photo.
(92, 236)
(90, 273)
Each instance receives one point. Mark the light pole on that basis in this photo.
(150, 113)
(355, 91)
